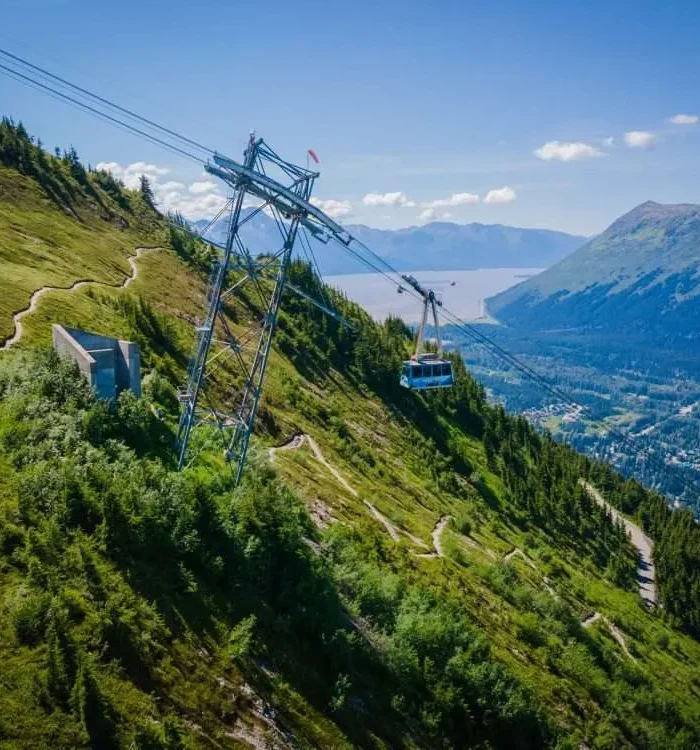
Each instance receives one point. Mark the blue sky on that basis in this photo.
(498, 112)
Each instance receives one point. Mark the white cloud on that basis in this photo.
(121, 173)
(131, 174)
(193, 203)
(609, 141)
(501, 195)
(177, 200)
(168, 186)
(428, 214)
(142, 167)
(456, 199)
(109, 166)
(447, 215)
(387, 199)
(566, 151)
(639, 138)
(335, 209)
(207, 186)
(683, 119)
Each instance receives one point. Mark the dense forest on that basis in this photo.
(676, 532)
(149, 608)
(639, 411)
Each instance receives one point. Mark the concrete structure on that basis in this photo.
(110, 366)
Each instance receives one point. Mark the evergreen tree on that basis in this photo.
(91, 706)
(147, 192)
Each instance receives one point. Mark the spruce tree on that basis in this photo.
(147, 192)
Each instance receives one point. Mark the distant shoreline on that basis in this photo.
(463, 292)
(524, 272)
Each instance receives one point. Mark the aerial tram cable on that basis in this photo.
(23, 78)
(16, 59)
(226, 207)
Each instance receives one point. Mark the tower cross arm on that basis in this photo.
(274, 191)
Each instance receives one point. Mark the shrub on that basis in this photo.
(463, 524)
(89, 703)
(240, 640)
(29, 618)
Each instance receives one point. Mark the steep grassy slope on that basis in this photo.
(42, 243)
(310, 607)
(528, 608)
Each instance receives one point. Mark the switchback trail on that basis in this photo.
(517, 551)
(296, 441)
(39, 293)
(644, 545)
(437, 534)
(614, 631)
(440, 526)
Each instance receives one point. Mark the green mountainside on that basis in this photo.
(639, 277)
(396, 570)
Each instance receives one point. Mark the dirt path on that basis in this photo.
(590, 620)
(517, 551)
(388, 525)
(614, 631)
(298, 440)
(546, 583)
(341, 479)
(294, 444)
(645, 547)
(437, 534)
(34, 299)
(440, 526)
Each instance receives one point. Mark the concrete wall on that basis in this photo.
(128, 367)
(104, 376)
(110, 366)
(67, 346)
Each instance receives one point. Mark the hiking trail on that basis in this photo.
(39, 293)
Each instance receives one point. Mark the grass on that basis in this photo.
(42, 245)
(383, 456)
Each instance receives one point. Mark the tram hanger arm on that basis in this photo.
(436, 322)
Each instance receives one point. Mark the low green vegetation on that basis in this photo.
(146, 608)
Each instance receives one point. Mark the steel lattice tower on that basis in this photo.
(231, 409)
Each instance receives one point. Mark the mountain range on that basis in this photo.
(438, 246)
(640, 276)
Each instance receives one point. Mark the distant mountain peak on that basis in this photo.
(642, 272)
(650, 211)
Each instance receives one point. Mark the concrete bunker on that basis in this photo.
(109, 365)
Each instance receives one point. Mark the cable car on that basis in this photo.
(426, 370)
